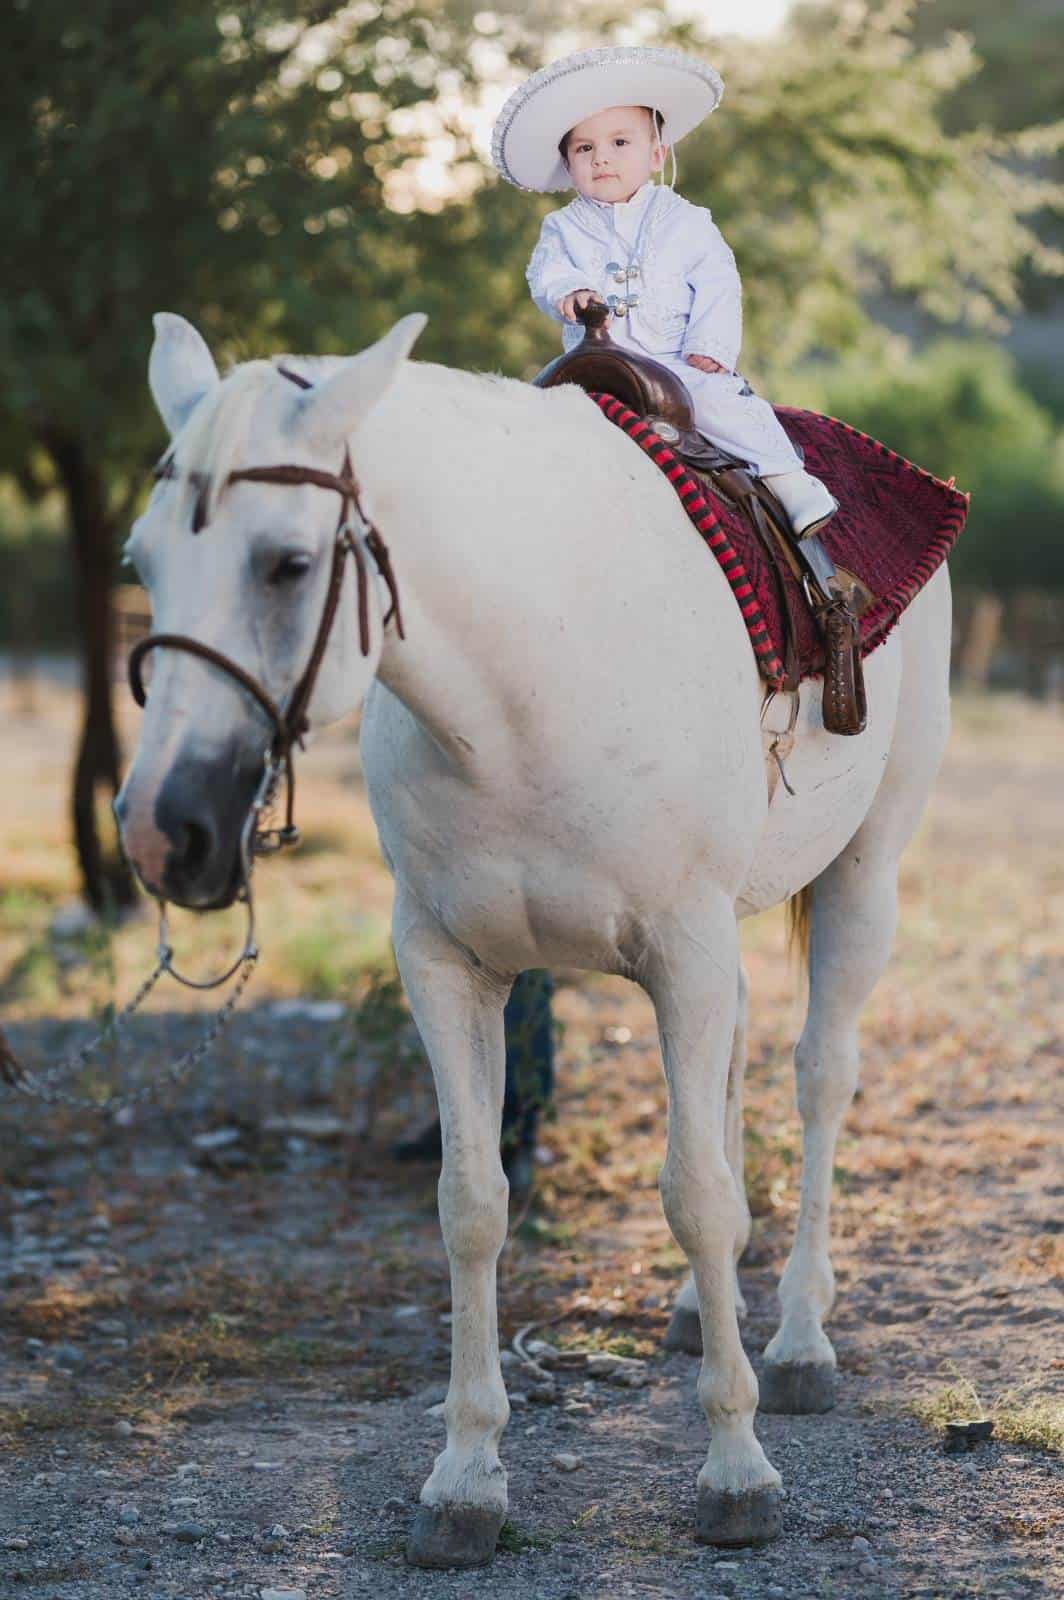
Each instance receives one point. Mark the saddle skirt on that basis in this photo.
(895, 526)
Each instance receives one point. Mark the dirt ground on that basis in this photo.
(225, 1316)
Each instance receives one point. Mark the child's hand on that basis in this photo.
(705, 364)
(572, 302)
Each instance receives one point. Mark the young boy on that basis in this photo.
(602, 122)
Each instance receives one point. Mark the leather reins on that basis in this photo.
(291, 722)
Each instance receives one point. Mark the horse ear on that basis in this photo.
(331, 412)
(180, 371)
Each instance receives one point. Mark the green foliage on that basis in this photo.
(225, 162)
(958, 410)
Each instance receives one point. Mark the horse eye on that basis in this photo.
(289, 568)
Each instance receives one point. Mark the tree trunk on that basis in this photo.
(984, 630)
(106, 879)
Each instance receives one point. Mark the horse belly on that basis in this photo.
(835, 780)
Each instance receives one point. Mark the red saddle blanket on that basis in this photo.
(895, 525)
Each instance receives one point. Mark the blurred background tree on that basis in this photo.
(299, 176)
(227, 161)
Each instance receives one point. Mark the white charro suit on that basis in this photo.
(689, 303)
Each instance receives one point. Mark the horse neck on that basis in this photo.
(478, 574)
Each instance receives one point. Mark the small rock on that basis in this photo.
(123, 1428)
(565, 1462)
(124, 1536)
(68, 1355)
(266, 1466)
(401, 1312)
(308, 1010)
(217, 1139)
(187, 1469)
(282, 1594)
(190, 1532)
(544, 1394)
(518, 1398)
(609, 1310)
(128, 1515)
(319, 1125)
(508, 1358)
(868, 1569)
(75, 1258)
(861, 1544)
(16, 1543)
(542, 1352)
(623, 1370)
(393, 1506)
(278, 1531)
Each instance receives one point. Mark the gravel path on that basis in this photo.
(223, 1323)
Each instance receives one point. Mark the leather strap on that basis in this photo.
(289, 725)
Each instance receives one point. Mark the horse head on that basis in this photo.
(240, 563)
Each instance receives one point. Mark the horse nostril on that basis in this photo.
(196, 847)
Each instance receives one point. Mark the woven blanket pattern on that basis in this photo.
(895, 526)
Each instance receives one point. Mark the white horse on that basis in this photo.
(566, 767)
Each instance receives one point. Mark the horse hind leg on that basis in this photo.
(685, 1327)
(851, 931)
(692, 979)
(852, 919)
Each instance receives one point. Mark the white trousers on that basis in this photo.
(742, 424)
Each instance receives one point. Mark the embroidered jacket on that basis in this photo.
(689, 294)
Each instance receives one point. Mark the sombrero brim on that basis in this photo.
(525, 139)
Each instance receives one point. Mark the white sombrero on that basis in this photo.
(524, 143)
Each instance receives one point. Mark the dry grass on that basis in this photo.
(1020, 1416)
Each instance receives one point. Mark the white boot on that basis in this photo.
(804, 498)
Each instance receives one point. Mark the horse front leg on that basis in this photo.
(685, 1327)
(692, 978)
(458, 1009)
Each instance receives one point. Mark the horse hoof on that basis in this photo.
(797, 1388)
(753, 1516)
(453, 1536)
(684, 1331)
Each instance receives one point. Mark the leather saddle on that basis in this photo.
(836, 597)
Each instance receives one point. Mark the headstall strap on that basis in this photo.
(291, 724)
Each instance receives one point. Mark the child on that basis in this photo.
(602, 121)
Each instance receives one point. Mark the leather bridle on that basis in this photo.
(290, 722)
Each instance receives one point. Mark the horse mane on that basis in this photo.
(208, 447)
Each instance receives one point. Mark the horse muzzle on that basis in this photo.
(184, 843)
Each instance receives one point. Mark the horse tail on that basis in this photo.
(799, 915)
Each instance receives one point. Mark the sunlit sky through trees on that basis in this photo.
(433, 180)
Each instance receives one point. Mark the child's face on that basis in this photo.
(613, 153)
